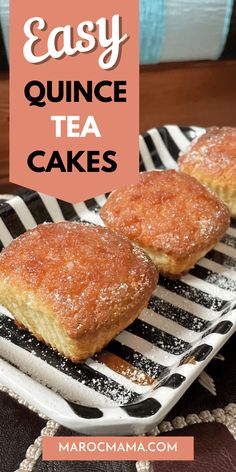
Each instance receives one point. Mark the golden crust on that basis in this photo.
(75, 285)
(170, 215)
(211, 158)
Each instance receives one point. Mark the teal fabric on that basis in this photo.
(152, 30)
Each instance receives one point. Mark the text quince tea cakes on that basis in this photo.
(74, 286)
(170, 215)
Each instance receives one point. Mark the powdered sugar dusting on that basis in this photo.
(213, 153)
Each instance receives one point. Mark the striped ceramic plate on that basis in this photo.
(134, 382)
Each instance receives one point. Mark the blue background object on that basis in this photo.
(172, 30)
(152, 30)
(183, 30)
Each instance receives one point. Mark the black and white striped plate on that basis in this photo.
(132, 385)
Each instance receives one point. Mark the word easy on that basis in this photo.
(87, 41)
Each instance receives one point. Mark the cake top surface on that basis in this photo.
(212, 155)
(168, 212)
(86, 275)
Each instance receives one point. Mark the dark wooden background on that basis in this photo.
(197, 93)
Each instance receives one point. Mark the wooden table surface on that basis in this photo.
(199, 93)
(4, 127)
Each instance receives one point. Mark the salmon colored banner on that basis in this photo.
(118, 448)
(74, 96)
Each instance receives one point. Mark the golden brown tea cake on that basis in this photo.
(75, 286)
(170, 215)
(212, 160)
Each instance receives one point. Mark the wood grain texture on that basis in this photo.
(4, 127)
(199, 93)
